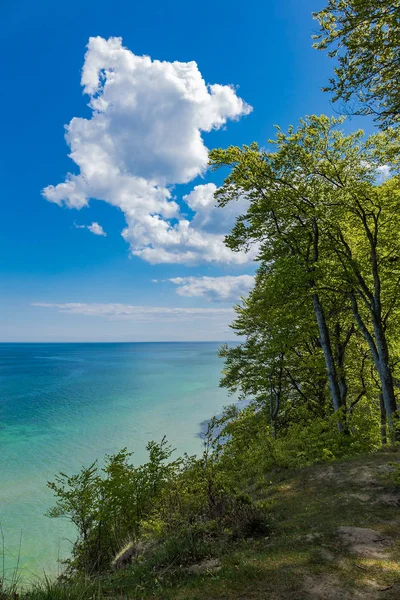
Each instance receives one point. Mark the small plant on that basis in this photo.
(9, 578)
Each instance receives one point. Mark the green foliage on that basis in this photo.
(312, 500)
(164, 511)
(252, 452)
(320, 322)
(364, 37)
(191, 508)
(108, 505)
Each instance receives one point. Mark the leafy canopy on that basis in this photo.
(364, 37)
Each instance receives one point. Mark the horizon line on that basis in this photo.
(123, 342)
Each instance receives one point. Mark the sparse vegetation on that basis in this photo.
(303, 554)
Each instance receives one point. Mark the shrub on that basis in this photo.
(107, 505)
(163, 511)
(178, 511)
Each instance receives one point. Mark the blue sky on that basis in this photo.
(138, 158)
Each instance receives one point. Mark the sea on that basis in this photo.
(63, 406)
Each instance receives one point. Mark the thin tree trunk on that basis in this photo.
(384, 371)
(324, 337)
(340, 350)
(380, 356)
(373, 301)
(328, 355)
(275, 396)
(389, 397)
(273, 412)
(383, 420)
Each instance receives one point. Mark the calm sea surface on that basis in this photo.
(64, 405)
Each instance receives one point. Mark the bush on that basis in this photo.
(248, 448)
(163, 511)
(107, 505)
(179, 511)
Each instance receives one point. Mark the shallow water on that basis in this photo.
(64, 405)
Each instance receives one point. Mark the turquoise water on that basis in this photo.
(64, 405)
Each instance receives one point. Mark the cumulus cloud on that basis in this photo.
(214, 288)
(93, 228)
(137, 313)
(143, 137)
(208, 218)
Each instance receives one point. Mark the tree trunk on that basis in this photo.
(384, 371)
(340, 349)
(328, 355)
(275, 396)
(383, 420)
(273, 409)
(380, 356)
(387, 389)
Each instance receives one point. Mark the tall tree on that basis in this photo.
(367, 246)
(364, 37)
(282, 218)
(280, 363)
(316, 203)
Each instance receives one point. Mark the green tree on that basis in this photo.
(280, 364)
(316, 205)
(364, 37)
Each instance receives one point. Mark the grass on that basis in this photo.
(303, 558)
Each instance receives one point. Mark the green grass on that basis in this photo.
(302, 558)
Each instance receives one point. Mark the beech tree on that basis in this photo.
(280, 364)
(364, 37)
(317, 204)
(367, 245)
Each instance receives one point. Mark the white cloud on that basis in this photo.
(208, 218)
(143, 137)
(96, 229)
(93, 228)
(384, 173)
(137, 313)
(214, 288)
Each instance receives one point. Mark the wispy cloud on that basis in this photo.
(228, 288)
(137, 313)
(143, 137)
